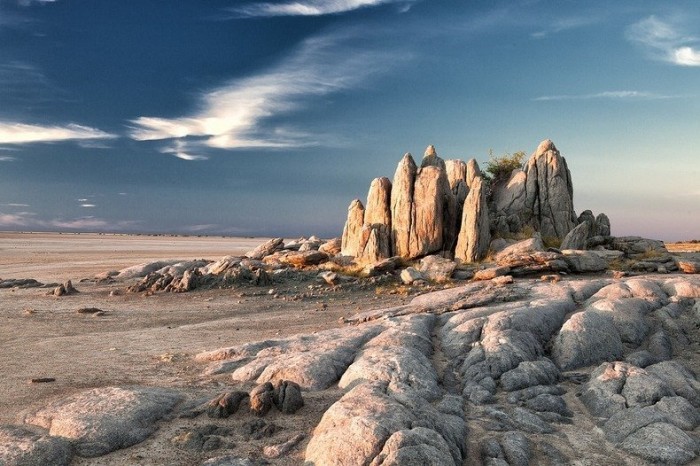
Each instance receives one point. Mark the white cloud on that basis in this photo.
(6, 158)
(236, 115)
(565, 24)
(20, 133)
(180, 150)
(613, 95)
(15, 204)
(12, 220)
(686, 56)
(665, 40)
(313, 7)
(88, 205)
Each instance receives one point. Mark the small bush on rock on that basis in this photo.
(500, 168)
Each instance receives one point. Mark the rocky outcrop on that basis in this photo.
(352, 232)
(449, 207)
(549, 192)
(474, 237)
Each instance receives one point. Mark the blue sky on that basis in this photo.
(267, 118)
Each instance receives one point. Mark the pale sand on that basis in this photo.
(146, 340)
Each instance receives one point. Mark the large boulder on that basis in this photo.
(474, 237)
(378, 208)
(20, 446)
(102, 420)
(402, 206)
(426, 233)
(352, 232)
(549, 194)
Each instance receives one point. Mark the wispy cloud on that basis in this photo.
(20, 133)
(313, 7)
(6, 158)
(666, 40)
(565, 24)
(88, 205)
(15, 204)
(611, 95)
(30, 220)
(238, 114)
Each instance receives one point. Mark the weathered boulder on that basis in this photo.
(431, 159)
(266, 248)
(102, 420)
(287, 397)
(601, 226)
(402, 206)
(584, 261)
(576, 238)
(588, 337)
(20, 446)
(331, 247)
(378, 207)
(549, 192)
(437, 268)
(474, 237)
(352, 232)
(375, 243)
(508, 203)
(426, 232)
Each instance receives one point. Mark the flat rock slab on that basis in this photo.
(21, 446)
(102, 420)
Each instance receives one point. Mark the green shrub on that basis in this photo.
(500, 168)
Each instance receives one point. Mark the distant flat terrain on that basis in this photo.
(52, 257)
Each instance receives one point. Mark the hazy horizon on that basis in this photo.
(249, 118)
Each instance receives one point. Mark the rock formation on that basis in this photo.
(450, 208)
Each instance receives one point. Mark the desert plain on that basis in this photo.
(56, 347)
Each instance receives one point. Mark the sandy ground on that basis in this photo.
(142, 340)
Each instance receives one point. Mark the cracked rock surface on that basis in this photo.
(584, 371)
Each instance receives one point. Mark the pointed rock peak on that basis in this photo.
(356, 204)
(545, 146)
(431, 159)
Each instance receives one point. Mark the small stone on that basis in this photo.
(225, 404)
(261, 399)
(287, 397)
(275, 451)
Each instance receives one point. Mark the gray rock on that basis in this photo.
(576, 238)
(102, 420)
(437, 268)
(642, 358)
(20, 446)
(531, 392)
(530, 373)
(586, 338)
(583, 261)
(229, 460)
(601, 395)
(549, 192)
(287, 397)
(627, 421)
(266, 249)
(660, 346)
(275, 451)
(679, 412)
(529, 422)
(628, 316)
(661, 443)
(516, 448)
(550, 403)
(681, 380)
(601, 226)
(417, 446)
(410, 275)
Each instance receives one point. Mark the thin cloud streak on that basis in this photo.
(611, 95)
(665, 40)
(20, 133)
(313, 7)
(235, 116)
(28, 220)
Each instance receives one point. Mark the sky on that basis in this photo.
(253, 118)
